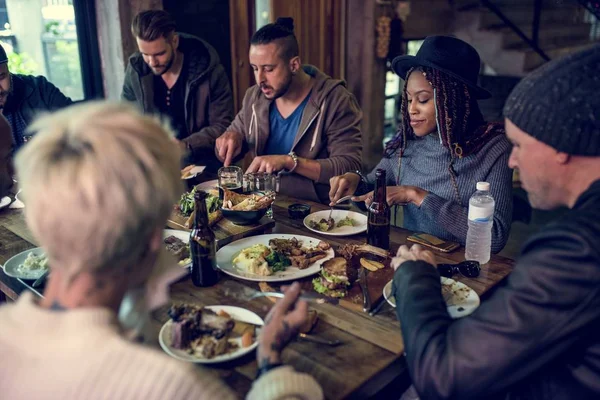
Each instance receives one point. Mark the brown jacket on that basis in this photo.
(329, 133)
(208, 99)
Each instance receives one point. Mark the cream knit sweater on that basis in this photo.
(80, 354)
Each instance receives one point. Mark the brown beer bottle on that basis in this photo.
(202, 245)
(378, 226)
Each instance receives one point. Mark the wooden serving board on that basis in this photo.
(376, 280)
(225, 231)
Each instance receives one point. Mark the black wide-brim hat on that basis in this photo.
(450, 55)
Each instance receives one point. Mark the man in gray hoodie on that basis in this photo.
(295, 121)
(179, 76)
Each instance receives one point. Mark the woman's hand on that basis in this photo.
(397, 195)
(342, 185)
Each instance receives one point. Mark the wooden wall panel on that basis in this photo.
(319, 27)
(366, 75)
(241, 22)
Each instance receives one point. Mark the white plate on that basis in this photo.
(195, 171)
(463, 302)
(5, 201)
(181, 235)
(237, 313)
(338, 215)
(11, 267)
(214, 184)
(227, 253)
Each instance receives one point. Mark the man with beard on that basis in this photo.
(536, 336)
(23, 96)
(179, 76)
(6, 167)
(296, 121)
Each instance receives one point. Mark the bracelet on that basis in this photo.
(295, 158)
(360, 175)
(266, 368)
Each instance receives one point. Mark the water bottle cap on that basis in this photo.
(483, 186)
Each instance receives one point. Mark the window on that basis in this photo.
(262, 13)
(40, 38)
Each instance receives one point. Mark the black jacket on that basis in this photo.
(536, 337)
(208, 99)
(32, 94)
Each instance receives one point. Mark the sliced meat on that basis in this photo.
(300, 262)
(316, 258)
(177, 247)
(323, 246)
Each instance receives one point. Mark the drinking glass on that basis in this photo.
(269, 185)
(230, 178)
(248, 182)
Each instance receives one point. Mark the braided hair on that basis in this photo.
(461, 126)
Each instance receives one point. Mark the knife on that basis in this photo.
(41, 279)
(362, 282)
(309, 296)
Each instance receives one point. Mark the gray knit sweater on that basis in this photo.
(425, 165)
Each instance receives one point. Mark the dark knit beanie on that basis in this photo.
(559, 103)
(3, 57)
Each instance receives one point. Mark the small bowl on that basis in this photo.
(298, 210)
(244, 217)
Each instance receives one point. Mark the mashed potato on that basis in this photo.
(252, 260)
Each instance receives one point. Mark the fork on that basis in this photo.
(341, 200)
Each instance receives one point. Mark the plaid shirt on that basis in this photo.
(18, 125)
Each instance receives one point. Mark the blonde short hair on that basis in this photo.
(98, 179)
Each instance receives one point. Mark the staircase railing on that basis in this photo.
(593, 7)
(533, 42)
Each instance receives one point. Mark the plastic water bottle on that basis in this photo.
(481, 219)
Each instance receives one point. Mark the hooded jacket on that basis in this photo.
(329, 133)
(29, 96)
(535, 337)
(208, 100)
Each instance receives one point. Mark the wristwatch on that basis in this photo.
(295, 158)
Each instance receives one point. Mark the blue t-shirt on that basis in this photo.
(283, 130)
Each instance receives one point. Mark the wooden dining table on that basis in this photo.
(368, 363)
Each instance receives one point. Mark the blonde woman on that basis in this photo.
(99, 181)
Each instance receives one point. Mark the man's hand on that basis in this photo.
(342, 185)
(282, 324)
(271, 164)
(228, 146)
(416, 253)
(397, 195)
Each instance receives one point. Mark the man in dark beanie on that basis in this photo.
(23, 96)
(537, 335)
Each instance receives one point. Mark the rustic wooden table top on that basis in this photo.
(370, 357)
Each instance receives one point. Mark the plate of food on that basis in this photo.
(191, 171)
(208, 185)
(209, 335)
(274, 258)
(29, 264)
(460, 299)
(186, 206)
(341, 223)
(5, 201)
(178, 244)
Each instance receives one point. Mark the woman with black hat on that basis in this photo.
(443, 147)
